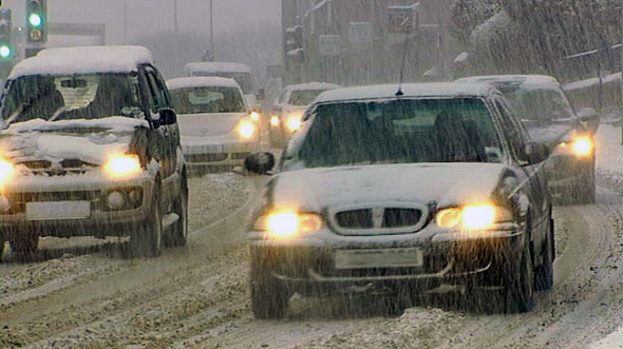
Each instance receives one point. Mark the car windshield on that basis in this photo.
(304, 97)
(243, 79)
(411, 131)
(207, 100)
(52, 98)
(539, 104)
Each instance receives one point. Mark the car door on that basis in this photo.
(533, 174)
(166, 142)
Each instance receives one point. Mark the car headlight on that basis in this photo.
(254, 115)
(294, 122)
(274, 121)
(473, 217)
(7, 171)
(583, 146)
(246, 129)
(580, 146)
(288, 224)
(120, 166)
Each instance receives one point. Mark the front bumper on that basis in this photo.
(568, 172)
(218, 157)
(310, 265)
(73, 205)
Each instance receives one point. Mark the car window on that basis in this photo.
(89, 96)
(539, 103)
(411, 131)
(207, 100)
(157, 88)
(512, 128)
(303, 97)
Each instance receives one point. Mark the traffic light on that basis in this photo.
(294, 44)
(36, 21)
(7, 50)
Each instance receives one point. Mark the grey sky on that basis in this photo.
(193, 16)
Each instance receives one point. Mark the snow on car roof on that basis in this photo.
(444, 89)
(526, 80)
(314, 85)
(83, 60)
(201, 81)
(217, 67)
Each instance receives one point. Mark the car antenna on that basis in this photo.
(402, 65)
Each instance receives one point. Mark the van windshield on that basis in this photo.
(242, 78)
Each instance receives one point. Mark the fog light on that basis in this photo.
(135, 198)
(115, 200)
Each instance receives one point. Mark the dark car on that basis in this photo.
(545, 111)
(90, 146)
(404, 190)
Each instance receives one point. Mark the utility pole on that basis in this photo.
(621, 54)
(175, 17)
(211, 30)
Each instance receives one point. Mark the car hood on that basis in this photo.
(445, 184)
(207, 124)
(549, 132)
(91, 141)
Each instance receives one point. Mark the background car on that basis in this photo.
(545, 111)
(402, 190)
(216, 128)
(288, 108)
(89, 147)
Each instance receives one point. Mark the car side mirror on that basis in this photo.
(167, 116)
(259, 163)
(535, 153)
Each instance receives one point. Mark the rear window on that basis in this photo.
(207, 100)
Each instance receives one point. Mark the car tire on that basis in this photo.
(544, 274)
(269, 296)
(178, 235)
(25, 247)
(146, 239)
(518, 289)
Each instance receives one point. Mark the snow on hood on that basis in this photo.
(88, 140)
(207, 124)
(447, 184)
(550, 132)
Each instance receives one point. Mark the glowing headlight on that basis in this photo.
(472, 217)
(274, 121)
(294, 122)
(121, 166)
(583, 146)
(287, 224)
(254, 115)
(6, 171)
(246, 129)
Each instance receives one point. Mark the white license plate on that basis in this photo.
(381, 258)
(37, 211)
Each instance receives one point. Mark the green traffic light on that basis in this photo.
(5, 51)
(35, 20)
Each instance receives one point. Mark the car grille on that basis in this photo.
(62, 168)
(209, 157)
(378, 220)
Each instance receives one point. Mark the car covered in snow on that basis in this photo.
(541, 104)
(216, 127)
(288, 108)
(89, 146)
(238, 71)
(404, 190)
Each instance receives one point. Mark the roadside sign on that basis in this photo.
(329, 45)
(360, 32)
(402, 19)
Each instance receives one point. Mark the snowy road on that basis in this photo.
(198, 297)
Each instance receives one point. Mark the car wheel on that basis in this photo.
(179, 231)
(25, 246)
(544, 275)
(269, 296)
(519, 284)
(146, 239)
